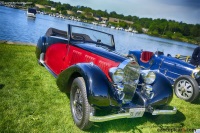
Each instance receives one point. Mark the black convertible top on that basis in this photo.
(56, 32)
(61, 33)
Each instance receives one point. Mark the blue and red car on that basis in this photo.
(183, 76)
(97, 78)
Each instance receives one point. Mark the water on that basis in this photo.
(16, 26)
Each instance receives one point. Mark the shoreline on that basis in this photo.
(18, 43)
(181, 39)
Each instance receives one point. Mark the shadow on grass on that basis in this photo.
(197, 101)
(1, 86)
(136, 124)
(167, 119)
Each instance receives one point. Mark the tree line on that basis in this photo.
(156, 27)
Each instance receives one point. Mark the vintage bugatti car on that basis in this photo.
(183, 76)
(97, 78)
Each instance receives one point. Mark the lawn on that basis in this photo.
(30, 101)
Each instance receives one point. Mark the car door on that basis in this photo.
(56, 53)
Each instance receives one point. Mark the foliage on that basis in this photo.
(157, 27)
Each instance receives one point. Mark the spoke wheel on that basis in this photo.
(186, 88)
(78, 104)
(80, 107)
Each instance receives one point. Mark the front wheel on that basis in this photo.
(80, 107)
(186, 88)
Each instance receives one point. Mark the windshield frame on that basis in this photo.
(72, 40)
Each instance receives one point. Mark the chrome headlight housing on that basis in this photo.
(196, 73)
(125, 79)
(148, 76)
(117, 74)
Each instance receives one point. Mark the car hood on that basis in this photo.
(101, 51)
(177, 62)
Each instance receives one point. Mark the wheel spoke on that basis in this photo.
(185, 94)
(188, 85)
(185, 82)
(179, 88)
(78, 104)
(182, 83)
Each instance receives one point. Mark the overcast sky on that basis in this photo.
(187, 11)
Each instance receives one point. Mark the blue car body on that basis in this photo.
(169, 66)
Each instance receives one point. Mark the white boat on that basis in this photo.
(31, 12)
(112, 27)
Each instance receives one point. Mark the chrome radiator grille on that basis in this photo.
(131, 79)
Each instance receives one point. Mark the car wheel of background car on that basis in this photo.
(132, 57)
(80, 107)
(186, 88)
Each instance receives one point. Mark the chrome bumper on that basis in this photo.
(127, 115)
(164, 112)
(109, 117)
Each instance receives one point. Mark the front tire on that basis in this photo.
(186, 88)
(80, 108)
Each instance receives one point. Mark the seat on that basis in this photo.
(146, 56)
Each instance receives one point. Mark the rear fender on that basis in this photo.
(40, 46)
(98, 86)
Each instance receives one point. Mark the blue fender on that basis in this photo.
(98, 87)
(40, 46)
(137, 54)
(163, 92)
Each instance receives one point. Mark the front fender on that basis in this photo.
(137, 54)
(162, 90)
(97, 84)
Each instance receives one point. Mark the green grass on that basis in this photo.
(30, 101)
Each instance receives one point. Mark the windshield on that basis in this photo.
(91, 35)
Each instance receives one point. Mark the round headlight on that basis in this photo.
(117, 75)
(149, 77)
(196, 73)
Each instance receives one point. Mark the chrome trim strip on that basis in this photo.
(41, 60)
(170, 71)
(49, 70)
(58, 37)
(124, 63)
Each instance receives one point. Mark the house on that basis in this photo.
(115, 20)
(70, 12)
(53, 8)
(39, 6)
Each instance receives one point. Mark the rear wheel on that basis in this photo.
(186, 88)
(80, 107)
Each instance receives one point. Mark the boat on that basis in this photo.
(31, 12)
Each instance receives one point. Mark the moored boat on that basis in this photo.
(31, 12)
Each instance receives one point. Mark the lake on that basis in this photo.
(16, 26)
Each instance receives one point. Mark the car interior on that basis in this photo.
(146, 56)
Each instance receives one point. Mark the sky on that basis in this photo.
(187, 11)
